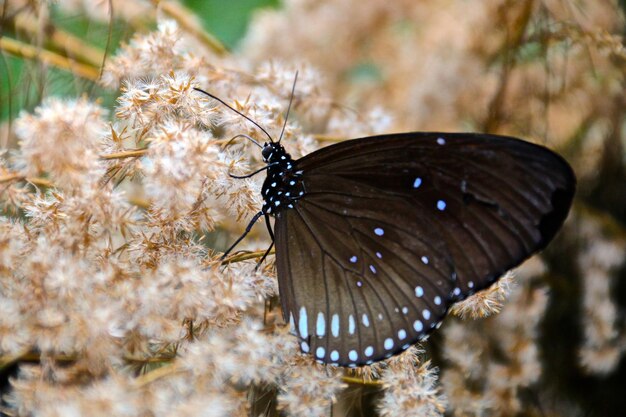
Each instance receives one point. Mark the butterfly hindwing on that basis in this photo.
(365, 295)
(392, 230)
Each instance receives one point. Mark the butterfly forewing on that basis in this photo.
(392, 230)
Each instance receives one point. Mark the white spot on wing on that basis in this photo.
(388, 343)
(334, 355)
(425, 260)
(292, 324)
(366, 320)
(353, 259)
(419, 291)
(401, 334)
(426, 313)
(441, 141)
(437, 300)
(320, 352)
(417, 182)
(320, 328)
(369, 351)
(334, 325)
(418, 326)
(373, 269)
(302, 324)
(441, 205)
(379, 255)
(353, 356)
(351, 326)
(305, 347)
(379, 231)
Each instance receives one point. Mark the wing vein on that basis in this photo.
(386, 224)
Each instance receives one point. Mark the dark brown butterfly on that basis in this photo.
(377, 237)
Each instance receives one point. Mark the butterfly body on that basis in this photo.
(283, 185)
(377, 237)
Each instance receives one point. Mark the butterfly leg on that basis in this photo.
(269, 226)
(254, 173)
(271, 232)
(245, 233)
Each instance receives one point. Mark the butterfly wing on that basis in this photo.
(394, 229)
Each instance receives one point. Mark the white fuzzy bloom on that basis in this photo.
(601, 350)
(412, 391)
(180, 161)
(61, 139)
(148, 55)
(309, 391)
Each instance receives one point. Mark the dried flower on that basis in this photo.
(309, 391)
(412, 391)
(487, 302)
(61, 139)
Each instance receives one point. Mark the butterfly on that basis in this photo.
(377, 237)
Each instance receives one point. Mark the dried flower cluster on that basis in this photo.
(490, 361)
(113, 300)
(603, 343)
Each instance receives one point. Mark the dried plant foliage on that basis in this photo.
(113, 300)
(485, 303)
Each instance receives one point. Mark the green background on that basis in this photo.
(24, 82)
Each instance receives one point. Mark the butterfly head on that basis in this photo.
(274, 152)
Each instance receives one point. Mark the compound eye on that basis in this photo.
(267, 151)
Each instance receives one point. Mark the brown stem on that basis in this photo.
(132, 153)
(42, 182)
(328, 138)
(57, 40)
(27, 51)
(239, 257)
(361, 381)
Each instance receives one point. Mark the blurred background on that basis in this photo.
(549, 71)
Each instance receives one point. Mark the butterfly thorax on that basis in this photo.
(283, 185)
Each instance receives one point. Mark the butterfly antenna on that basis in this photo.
(236, 111)
(241, 135)
(293, 89)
